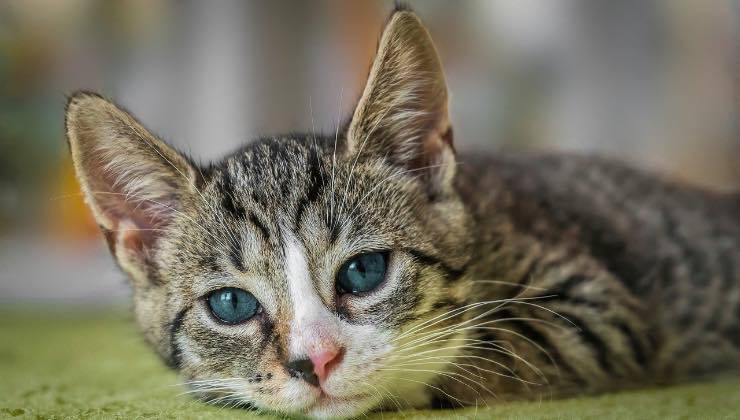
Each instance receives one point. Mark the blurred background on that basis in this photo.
(656, 83)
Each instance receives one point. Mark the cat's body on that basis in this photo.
(331, 275)
(645, 270)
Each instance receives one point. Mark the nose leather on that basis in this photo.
(322, 362)
(303, 369)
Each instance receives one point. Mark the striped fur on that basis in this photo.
(509, 276)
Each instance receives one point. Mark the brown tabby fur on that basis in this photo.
(509, 277)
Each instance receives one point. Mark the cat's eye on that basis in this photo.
(232, 305)
(362, 273)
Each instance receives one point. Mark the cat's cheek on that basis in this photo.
(210, 348)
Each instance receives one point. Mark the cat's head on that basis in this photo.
(304, 273)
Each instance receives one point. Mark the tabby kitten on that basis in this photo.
(329, 276)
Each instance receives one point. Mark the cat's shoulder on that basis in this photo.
(563, 170)
(579, 181)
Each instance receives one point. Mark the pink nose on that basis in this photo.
(325, 360)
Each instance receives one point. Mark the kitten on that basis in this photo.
(329, 276)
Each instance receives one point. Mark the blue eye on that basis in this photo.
(362, 273)
(232, 305)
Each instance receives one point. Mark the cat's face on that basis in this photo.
(286, 232)
(301, 274)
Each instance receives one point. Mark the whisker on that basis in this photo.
(334, 156)
(452, 375)
(479, 347)
(461, 403)
(460, 310)
(495, 347)
(461, 326)
(513, 284)
(513, 375)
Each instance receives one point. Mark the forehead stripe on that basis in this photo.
(236, 255)
(229, 204)
(261, 227)
(315, 185)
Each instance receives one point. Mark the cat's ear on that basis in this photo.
(402, 115)
(134, 183)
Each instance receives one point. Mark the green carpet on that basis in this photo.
(95, 365)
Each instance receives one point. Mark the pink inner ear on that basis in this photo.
(431, 153)
(136, 221)
(133, 237)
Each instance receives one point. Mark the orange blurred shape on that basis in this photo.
(70, 217)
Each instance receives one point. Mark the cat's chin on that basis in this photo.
(315, 403)
(327, 406)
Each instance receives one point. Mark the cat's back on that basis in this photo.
(675, 247)
(628, 217)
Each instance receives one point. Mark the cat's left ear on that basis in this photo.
(135, 184)
(402, 115)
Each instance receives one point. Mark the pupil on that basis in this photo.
(232, 299)
(361, 267)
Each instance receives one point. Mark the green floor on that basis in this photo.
(94, 365)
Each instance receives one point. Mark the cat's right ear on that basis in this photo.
(402, 116)
(134, 183)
